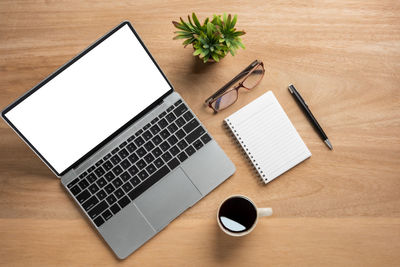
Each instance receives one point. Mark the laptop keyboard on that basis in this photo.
(137, 163)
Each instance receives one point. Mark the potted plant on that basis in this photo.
(212, 40)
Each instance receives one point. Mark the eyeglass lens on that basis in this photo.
(231, 95)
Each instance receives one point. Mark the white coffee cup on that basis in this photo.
(238, 215)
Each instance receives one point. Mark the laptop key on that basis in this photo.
(170, 117)
(127, 187)
(180, 110)
(109, 188)
(117, 182)
(115, 159)
(149, 158)
(165, 146)
(170, 108)
(155, 129)
(98, 221)
(101, 194)
(178, 102)
(158, 162)
(139, 141)
(180, 134)
(164, 134)
(188, 116)
(147, 135)
(71, 184)
(198, 144)
(182, 144)
(117, 170)
(124, 201)
(93, 188)
(174, 150)
(172, 127)
(141, 152)
(173, 163)
(83, 184)
(195, 134)
(91, 169)
(87, 205)
(154, 120)
(149, 146)
(98, 209)
(162, 123)
(106, 215)
(99, 163)
(151, 168)
(125, 176)
(156, 152)
(111, 199)
(101, 182)
(205, 138)
(106, 157)
(166, 156)
(180, 122)
(190, 150)
(115, 150)
(109, 176)
(133, 170)
(75, 190)
(162, 114)
(107, 165)
(131, 147)
(141, 164)
(131, 138)
(83, 196)
(155, 177)
(182, 156)
(99, 171)
(147, 126)
(156, 140)
(123, 144)
(139, 132)
(91, 178)
(83, 175)
(125, 164)
(191, 125)
(133, 158)
(172, 140)
(135, 181)
(143, 175)
(119, 193)
(115, 208)
(123, 153)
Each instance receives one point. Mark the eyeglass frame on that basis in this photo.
(224, 89)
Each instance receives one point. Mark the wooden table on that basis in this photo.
(338, 208)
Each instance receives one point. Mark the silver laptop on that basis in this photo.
(126, 146)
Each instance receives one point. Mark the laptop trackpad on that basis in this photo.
(167, 199)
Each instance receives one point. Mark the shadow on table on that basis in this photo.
(226, 246)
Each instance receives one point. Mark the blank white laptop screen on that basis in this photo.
(89, 100)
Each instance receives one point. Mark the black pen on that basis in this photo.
(310, 116)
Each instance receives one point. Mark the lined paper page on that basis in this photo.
(268, 137)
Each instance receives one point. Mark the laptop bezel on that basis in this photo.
(61, 69)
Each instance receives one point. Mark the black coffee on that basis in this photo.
(237, 214)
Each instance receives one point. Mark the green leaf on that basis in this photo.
(196, 21)
(215, 57)
(197, 52)
(234, 21)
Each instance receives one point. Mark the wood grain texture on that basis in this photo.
(338, 208)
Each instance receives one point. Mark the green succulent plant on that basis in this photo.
(211, 40)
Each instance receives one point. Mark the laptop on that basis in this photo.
(125, 145)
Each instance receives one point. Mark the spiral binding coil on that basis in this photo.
(246, 152)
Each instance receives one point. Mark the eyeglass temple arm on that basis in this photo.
(237, 77)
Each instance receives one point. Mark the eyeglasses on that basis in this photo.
(249, 78)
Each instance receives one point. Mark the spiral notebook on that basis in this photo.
(267, 136)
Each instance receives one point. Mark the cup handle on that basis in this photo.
(264, 212)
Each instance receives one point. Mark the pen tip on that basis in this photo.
(290, 88)
(328, 144)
